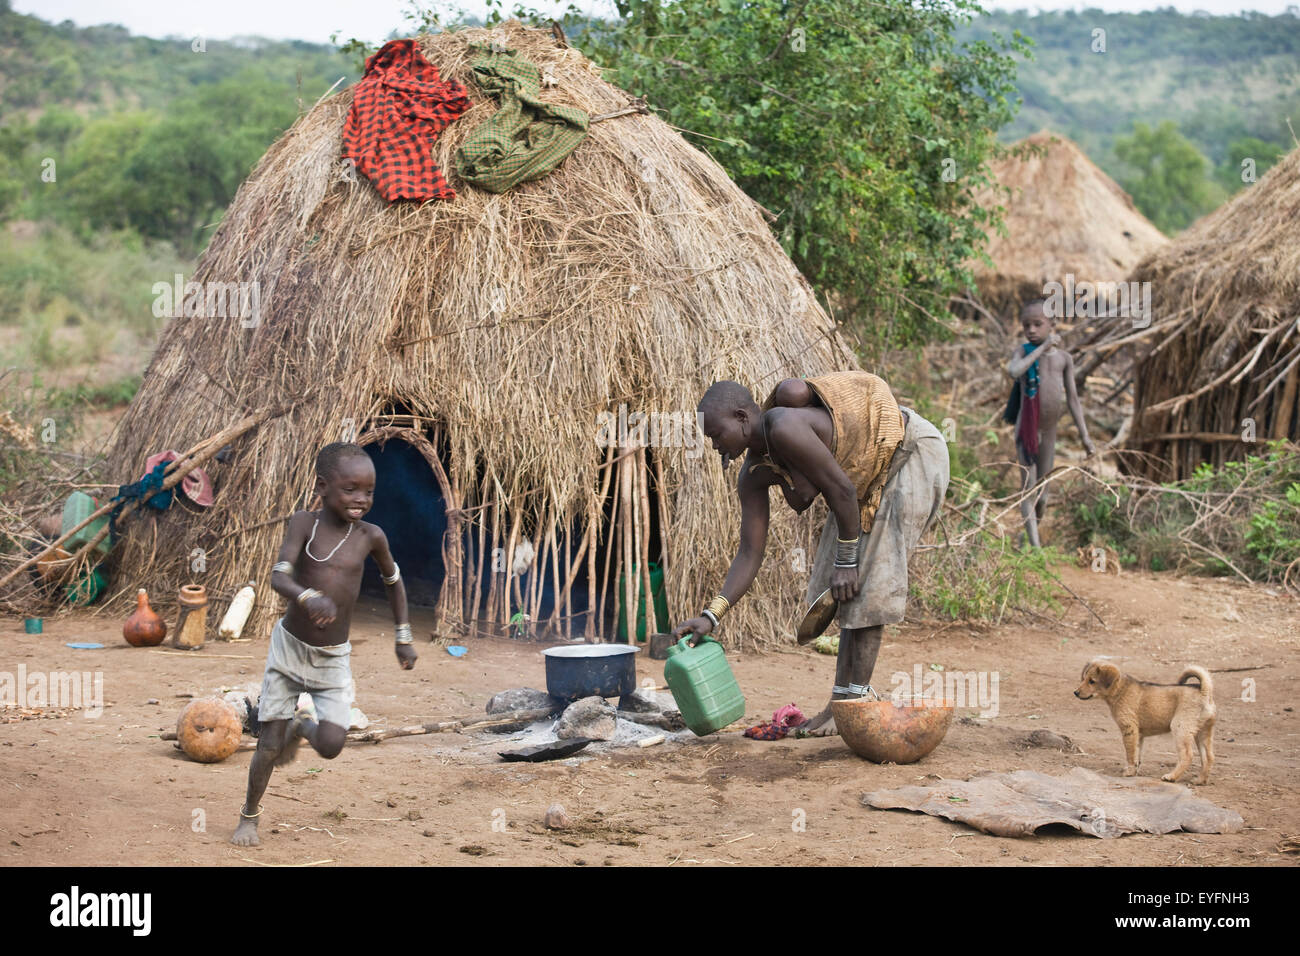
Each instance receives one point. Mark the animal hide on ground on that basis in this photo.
(1017, 804)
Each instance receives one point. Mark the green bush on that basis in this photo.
(985, 578)
(76, 301)
(1242, 518)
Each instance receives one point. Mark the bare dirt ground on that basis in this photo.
(109, 792)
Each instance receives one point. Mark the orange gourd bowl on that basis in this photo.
(885, 732)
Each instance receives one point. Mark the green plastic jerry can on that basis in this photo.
(703, 686)
(78, 508)
(659, 595)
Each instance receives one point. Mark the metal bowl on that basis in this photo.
(817, 618)
(885, 732)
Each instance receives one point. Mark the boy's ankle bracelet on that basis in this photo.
(251, 816)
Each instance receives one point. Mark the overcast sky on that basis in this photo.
(373, 20)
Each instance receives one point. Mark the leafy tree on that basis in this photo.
(168, 176)
(188, 166)
(57, 125)
(1171, 184)
(15, 170)
(1262, 156)
(93, 190)
(860, 123)
(62, 77)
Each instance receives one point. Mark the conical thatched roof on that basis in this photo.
(494, 328)
(1225, 300)
(1064, 216)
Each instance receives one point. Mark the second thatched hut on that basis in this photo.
(1064, 216)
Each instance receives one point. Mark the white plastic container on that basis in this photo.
(232, 625)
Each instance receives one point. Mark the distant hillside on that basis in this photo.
(105, 67)
(101, 130)
(1220, 79)
(118, 155)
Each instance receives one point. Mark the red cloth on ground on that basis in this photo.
(766, 731)
(1027, 433)
(398, 109)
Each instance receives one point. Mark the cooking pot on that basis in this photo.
(590, 670)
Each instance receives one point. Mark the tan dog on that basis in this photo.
(1147, 710)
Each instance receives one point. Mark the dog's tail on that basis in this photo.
(1201, 674)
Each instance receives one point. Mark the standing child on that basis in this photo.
(319, 570)
(1044, 377)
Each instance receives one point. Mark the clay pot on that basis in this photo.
(54, 564)
(885, 733)
(192, 623)
(208, 730)
(193, 595)
(144, 628)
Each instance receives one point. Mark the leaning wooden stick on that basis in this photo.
(434, 727)
(451, 726)
(174, 474)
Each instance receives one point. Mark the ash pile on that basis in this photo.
(643, 718)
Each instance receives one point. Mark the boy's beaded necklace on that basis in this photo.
(307, 548)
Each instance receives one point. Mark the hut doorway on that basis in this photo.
(532, 579)
(412, 511)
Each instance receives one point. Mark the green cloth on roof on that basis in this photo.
(526, 138)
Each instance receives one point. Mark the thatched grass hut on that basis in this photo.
(1064, 216)
(1225, 364)
(481, 338)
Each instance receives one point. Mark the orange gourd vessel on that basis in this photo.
(144, 628)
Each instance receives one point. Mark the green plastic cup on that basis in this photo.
(32, 625)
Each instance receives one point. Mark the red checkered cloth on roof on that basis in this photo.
(398, 109)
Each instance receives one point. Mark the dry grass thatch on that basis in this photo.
(1225, 303)
(1064, 216)
(489, 331)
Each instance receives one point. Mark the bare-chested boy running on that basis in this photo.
(1046, 378)
(319, 571)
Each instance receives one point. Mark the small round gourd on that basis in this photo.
(208, 730)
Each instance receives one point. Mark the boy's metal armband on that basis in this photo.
(306, 595)
(402, 634)
(390, 581)
(284, 567)
(846, 552)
